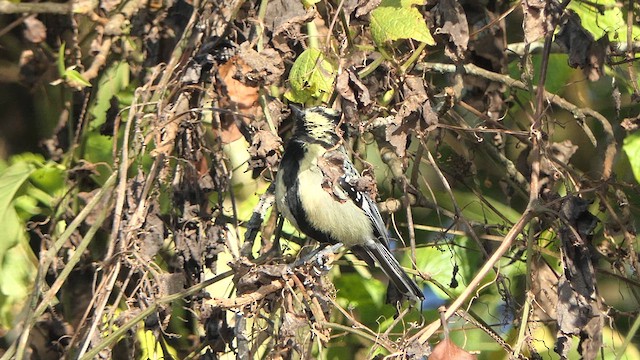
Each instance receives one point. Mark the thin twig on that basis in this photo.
(8, 7)
(153, 306)
(579, 113)
(423, 335)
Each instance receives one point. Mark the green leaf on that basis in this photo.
(114, 81)
(74, 76)
(611, 21)
(309, 3)
(97, 150)
(394, 20)
(631, 147)
(11, 180)
(439, 262)
(17, 271)
(61, 67)
(50, 178)
(311, 77)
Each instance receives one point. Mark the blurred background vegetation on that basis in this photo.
(138, 141)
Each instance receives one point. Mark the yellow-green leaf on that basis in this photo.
(401, 21)
(75, 77)
(632, 148)
(312, 77)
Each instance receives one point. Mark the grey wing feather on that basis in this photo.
(363, 200)
(378, 250)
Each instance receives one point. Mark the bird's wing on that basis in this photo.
(348, 182)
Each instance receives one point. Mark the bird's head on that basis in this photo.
(318, 123)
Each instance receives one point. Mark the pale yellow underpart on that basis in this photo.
(343, 221)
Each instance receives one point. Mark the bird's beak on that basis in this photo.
(296, 111)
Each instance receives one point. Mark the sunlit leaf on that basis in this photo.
(11, 180)
(393, 20)
(311, 77)
(61, 65)
(631, 147)
(75, 77)
(610, 20)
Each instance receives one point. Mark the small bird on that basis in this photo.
(317, 191)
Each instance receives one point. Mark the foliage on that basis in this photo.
(502, 137)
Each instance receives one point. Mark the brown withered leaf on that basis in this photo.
(294, 329)
(109, 125)
(562, 153)
(264, 150)
(447, 350)
(584, 52)
(352, 89)
(264, 68)
(574, 39)
(451, 23)
(240, 94)
(578, 311)
(415, 115)
(544, 283)
(540, 17)
(366, 184)
(331, 165)
(170, 283)
(34, 31)
(631, 123)
(355, 95)
(109, 5)
(487, 47)
(286, 16)
(150, 240)
(417, 350)
(256, 276)
(364, 7)
(243, 95)
(598, 53)
(218, 331)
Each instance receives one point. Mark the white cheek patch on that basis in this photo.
(343, 221)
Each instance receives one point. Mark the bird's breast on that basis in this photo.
(343, 221)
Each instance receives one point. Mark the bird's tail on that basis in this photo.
(393, 270)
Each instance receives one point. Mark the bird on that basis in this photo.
(317, 191)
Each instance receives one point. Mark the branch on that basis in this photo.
(423, 335)
(615, 48)
(579, 113)
(7, 7)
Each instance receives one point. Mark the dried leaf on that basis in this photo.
(577, 309)
(540, 17)
(34, 31)
(264, 68)
(218, 331)
(331, 165)
(447, 350)
(264, 151)
(562, 153)
(364, 7)
(415, 115)
(242, 95)
(631, 123)
(583, 51)
(598, 53)
(451, 22)
(286, 16)
(109, 5)
(355, 95)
